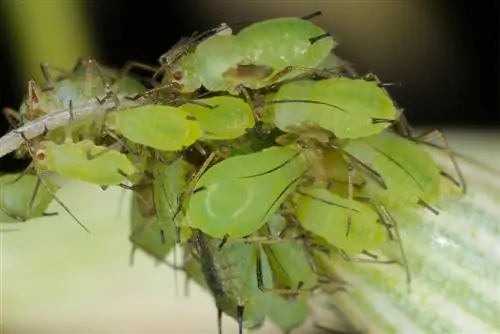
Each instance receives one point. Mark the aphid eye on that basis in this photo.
(177, 75)
(40, 155)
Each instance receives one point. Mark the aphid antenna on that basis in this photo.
(129, 65)
(303, 101)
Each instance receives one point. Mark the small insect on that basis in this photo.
(160, 127)
(22, 197)
(325, 214)
(236, 286)
(260, 55)
(228, 118)
(348, 108)
(237, 196)
(401, 173)
(153, 208)
(84, 161)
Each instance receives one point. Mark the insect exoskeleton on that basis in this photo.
(260, 55)
(237, 196)
(22, 197)
(346, 107)
(222, 117)
(230, 274)
(160, 127)
(84, 161)
(325, 214)
(398, 172)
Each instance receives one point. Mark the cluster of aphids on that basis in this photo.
(258, 152)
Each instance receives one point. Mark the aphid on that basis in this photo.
(79, 86)
(22, 197)
(84, 161)
(153, 208)
(348, 108)
(260, 55)
(401, 173)
(237, 196)
(236, 285)
(228, 118)
(159, 127)
(325, 214)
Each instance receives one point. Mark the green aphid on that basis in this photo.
(153, 207)
(236, 275)
(222, 117)
(84, 161)
(24, 197)
(326, 214)
(160, 127)
(236, 197)
(260, 55)
(346, 107)
(400, 173)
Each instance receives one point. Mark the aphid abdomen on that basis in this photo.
(326, 215)
(407, 170)
(283, 42)
(160, 127)
(238, 195)
(229, 117)
(87, 162)
(214, 56)
(16, 197)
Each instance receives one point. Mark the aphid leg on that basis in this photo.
(260, 280)
(91, 156)
(256, 112)
(49, 79)
(134, 64)
(350, 170)
(13, 117)
(426, 136)
(240, 310)
(62, 204)
(219, 320)
(387, 217)
(188, 191)
(287, 70)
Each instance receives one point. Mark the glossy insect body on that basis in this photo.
(237, 196)
(160, 127)
(23, 197)
(326, 214)
(84, 161)
(348, 108)
(405, 173)
(230, 273)
(260, 55)
(228, 118)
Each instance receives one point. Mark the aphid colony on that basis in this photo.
(259, 153)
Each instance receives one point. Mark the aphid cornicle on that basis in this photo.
(348, 108)
(231, 276)
(260, 55)
(23, 197)
(237, 196)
